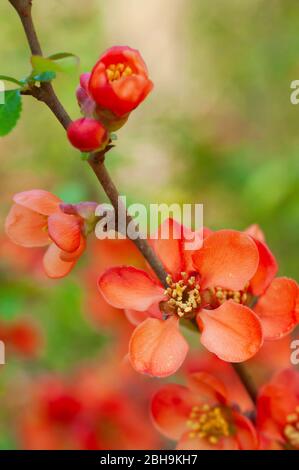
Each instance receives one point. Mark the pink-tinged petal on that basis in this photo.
(65, 231)
(228, 259)
(232, 331)
(169, 246)
(266, 270)
(157, 347)
(277, 308)
(246, 434)
(26, 228)
(256, 232)
(38, 200)
(129, 288)
(196, 443)
(54, 266)
(210, 389)
(171, 407)
(135, 317)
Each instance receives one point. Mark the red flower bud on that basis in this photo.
(87, 135)
(119, 81)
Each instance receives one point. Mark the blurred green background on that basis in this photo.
(218, 129)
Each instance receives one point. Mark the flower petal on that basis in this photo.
(136, 317)
(246, 435)
(26, 228)
(232, 331)
(66, 256)
(129, 288)
(38, 200)
(157, 347)
(196, 443)
(227, 259)
(54, 266)
(256, 232)
(169, 246)
(210, 389)
(277, 308)
(170, 408)
(65, 231)
(276, 400)
(266, 270)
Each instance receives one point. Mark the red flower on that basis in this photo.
(201, 416)
(278, 411)
(215, 286)
(119, 81)
(36, 219)
(85, 412)
(21, 337)
(87, 135)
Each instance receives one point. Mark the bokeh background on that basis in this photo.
(218, 129)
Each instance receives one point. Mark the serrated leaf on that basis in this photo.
(10, 111)
(7, 78)
(62, 62)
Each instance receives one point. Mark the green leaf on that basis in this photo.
(44, 77)
(10, 111)
(7, 78)
(65, 61)
(62, 62)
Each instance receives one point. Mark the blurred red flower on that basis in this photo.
(217, 286)
(22, 337)
(278, 412)
(86, 412)
(201, 416)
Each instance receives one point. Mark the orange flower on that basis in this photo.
(119, 81)
(278, 411)
(214, 286)
(36, 220)
(201, 416)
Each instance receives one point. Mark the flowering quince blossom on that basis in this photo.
(226, 287)
(117, 84)
(201, 416)
(278, 412)
(39, 218)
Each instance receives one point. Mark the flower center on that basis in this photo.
(116, 71)
(291, 429)
(209, 423)
(183, 296)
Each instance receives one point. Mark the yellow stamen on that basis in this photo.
(117, 71)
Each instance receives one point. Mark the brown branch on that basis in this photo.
(46, 94)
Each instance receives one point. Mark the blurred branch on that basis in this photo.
(246, 380)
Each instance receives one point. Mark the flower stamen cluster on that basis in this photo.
(183, 295)
(116, 71)
(207, 422)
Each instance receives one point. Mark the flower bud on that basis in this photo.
(87, 135)
(119, 81)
